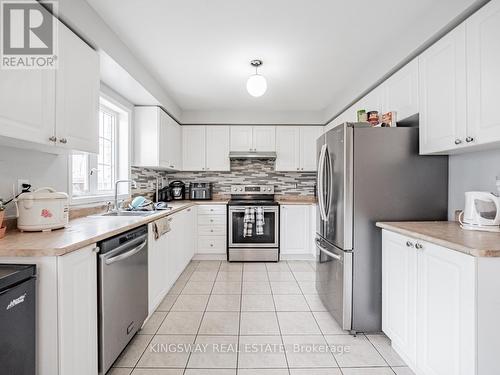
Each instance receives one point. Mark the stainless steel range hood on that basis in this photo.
(269, 155)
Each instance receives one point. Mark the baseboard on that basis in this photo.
(297, 257)
(210, 257)
(282, 257)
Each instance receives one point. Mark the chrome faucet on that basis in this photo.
(134, 184)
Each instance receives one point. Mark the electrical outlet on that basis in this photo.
(20, 182)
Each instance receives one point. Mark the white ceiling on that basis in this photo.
(318, 54)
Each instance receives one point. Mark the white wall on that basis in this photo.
(469, 172)
(40, 168)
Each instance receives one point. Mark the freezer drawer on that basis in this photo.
(334, 281)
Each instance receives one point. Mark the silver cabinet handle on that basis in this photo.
(211, 245)
(419, 246)
(458, 141)
(53, 138)
(63, 140)
(469, 139)
(172, 166)
(409, 244)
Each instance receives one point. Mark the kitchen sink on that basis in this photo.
(129, 213)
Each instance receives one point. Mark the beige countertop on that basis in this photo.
(449, 234)
(295, 199)
(81, 232)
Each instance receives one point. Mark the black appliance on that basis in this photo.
(250, 246)
(18, 319)
(178, 189)
(164, 194)
(200, 191)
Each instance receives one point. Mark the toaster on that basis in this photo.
(200, 191)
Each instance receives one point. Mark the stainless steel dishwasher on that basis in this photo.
(123, 292)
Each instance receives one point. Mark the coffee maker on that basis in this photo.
(178, 189)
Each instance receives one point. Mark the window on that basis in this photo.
(93, 176)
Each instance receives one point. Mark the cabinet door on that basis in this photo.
(190, 234)
(445, 312)
(399, 283)
(172, 244)
(264, 138)
(483, 65)
(27, 105)
(77, 94)
(241, 138)
(401, 91)
(442, 97)
(157, 275)
(295, 229)
(287, 148)
(308, 138)
(171, 142)
(193, 148)
(218, 148)
(77, 312)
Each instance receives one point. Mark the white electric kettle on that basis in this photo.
(482, 212)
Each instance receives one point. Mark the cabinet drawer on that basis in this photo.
(212, 230)
(212, 243)
(212, 210)
(211, 220)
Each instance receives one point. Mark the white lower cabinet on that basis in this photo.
(66, 336)
(169, 255)
(77, 312)
(296, 231)
(211, 229)
(435, 302)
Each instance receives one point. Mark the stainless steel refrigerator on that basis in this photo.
(366, 175)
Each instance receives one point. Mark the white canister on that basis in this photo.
(43, 209)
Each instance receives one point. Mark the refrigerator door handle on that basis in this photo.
(329, 193)
(330, 254)
(321, 167)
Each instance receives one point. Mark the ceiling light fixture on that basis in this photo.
(256, 84)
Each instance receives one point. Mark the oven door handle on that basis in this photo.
(126, 255)
(329, 253)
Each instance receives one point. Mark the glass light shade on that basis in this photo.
(256, 85)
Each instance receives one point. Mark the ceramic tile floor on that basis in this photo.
(251, 319)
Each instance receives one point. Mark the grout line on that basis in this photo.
(278, 321)
(316, 321)
(202, 317)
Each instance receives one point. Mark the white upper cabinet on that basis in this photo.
(54, 107)
(217, 146)
(27, 105)
(253, 138)
(401, 92)
(241, 138)
(307, 150)
(205, 148)
(77, 94)
(483, 74)
(442, 86)
(264, 138)
(158, 139)
(296, 147)
(287, 148)
(193, 148)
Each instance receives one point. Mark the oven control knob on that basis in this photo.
(241, 189)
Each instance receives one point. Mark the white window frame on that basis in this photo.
(111, 102)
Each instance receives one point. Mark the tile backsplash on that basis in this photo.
(242, 172)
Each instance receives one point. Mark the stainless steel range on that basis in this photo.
(253, 224)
